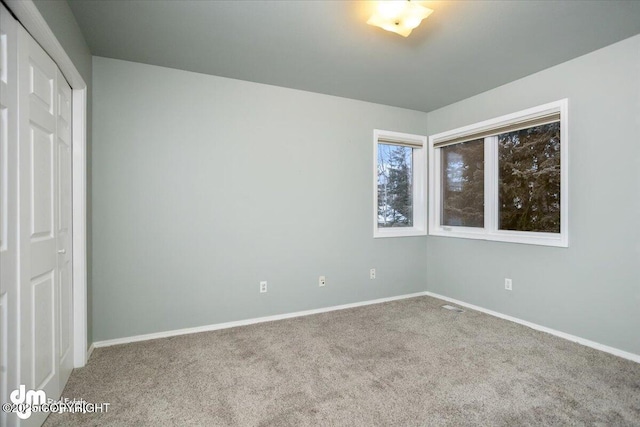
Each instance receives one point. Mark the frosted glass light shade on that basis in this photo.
(399, 16)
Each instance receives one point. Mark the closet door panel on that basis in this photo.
(36, 310)
(64, 229)
(38, 169)
(9, 378)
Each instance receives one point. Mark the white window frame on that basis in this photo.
(490, 231)
(419, 169)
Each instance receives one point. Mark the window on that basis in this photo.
(504, 179)
(463, 184)
(399, 184)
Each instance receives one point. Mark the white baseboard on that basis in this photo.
(91, 348)
(615, 351)
(246, 322)
(226, 325)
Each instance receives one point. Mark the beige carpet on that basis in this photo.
(403, 363)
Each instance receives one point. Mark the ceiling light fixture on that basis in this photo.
(399, 16)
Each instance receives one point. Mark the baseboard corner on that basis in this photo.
(90, 350)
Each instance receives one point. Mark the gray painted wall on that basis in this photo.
(203, 186)
(63, 24)
(592, 288)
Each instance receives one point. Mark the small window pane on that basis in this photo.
(395, 186)
(529, 173)
(463, 184)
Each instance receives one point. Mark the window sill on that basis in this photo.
(398, 232)
(527, 238)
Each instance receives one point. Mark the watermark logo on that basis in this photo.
(25, 402)
(26, 399)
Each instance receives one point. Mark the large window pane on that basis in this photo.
(463, 184)
(395, 186)
(529, 173)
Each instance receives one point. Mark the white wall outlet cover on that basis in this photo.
(508, 284)
(322, 281)
(263, 287)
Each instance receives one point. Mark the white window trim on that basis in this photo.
(490, 231)
(419, 227)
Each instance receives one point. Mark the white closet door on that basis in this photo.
(36, 314)
(64, 238)
(38, 164)
(8, 212)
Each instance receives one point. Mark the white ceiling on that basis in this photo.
(462, 49)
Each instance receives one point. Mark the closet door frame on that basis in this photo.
(9, 248)
(31, 19)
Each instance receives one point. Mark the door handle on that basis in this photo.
(62, 251)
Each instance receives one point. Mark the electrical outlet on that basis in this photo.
(263, 287)
(372, 273)
(508, 284)
(322, 281)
